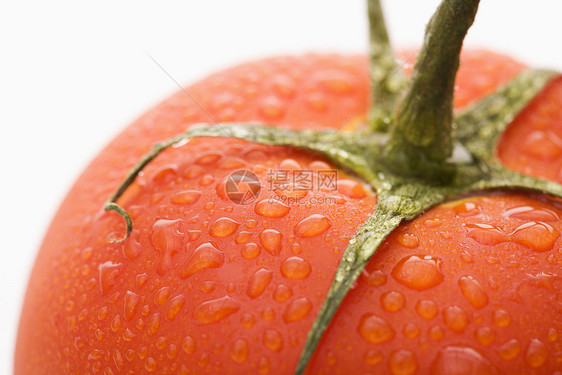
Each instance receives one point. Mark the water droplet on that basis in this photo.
(167, 240)
(455, 318)
(393, 301)
(162, 295)
(466, 209)
(118, 359)
(154, 324)
(408, 240)
(486, 234)
(372, 357)
(232, 163)
(473, 291)
(427, 309)
(312, 226)
(193, 234)
(250, 251)
(215, 310)
(141, 280)
(194, 172)
(530, 213)
(485, 336)
(283, 85)
(374, 329)
(510, 349)
(436, 333)
(297, 309)
(291, 191)
(351, 188)
(242, 237)
(538, 236)
(271, 208)
(467, 257)
(402, 362)
(536, 354)
(282, 293)
(128, 335)
(116, 324)
(460, 360)
(239, 351)
(268, 314)
(223, 227)
(174, 307)
(552, 334)
(336, 81)
(316, 101)
(131, 304)
(150, 364)
(418, 272)
(188, 345)
(272, 108)
(108, 273)
(271, 241)
(263, 366)
(289, 165)
(186, 197)
(204, 257)
(501, 318)
(411, 330)
(247, 320)
(161, 342)
(375, 278)
(258, 282)
(295, 268)
(272, 340)
(208, 158)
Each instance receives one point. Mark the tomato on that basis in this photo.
(204, 285)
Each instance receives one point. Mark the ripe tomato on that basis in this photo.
(203, 285)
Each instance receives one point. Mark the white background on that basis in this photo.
(73, 74)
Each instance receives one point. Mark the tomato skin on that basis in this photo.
(139, 307)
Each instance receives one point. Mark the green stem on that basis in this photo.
(387, 79)
(421, 136)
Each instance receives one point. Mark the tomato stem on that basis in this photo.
(387, 78)
(421, 135)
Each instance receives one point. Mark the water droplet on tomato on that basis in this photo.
(531, 213)
(282, 293)
(510, 349)
(242, 237)
(292, 192)
(486, 234)
(295, 268)
(174, 307)
(408, 240)
(208, 158)
(186, 197)
(118, 359)
(403, 362)
(473, 291)
(351, 188)
(316, 101)
(427, 309)
(239, 351)
(501, 318)
(485, 336)
(536, 354)
(247, 320)
(128, 335)
(154, 324)
(250, 251)
(460, 360)
(271, 241)
(467, 257)
(231, 163)
(258, 282)
(162, 295)
(455, 318)
(312, 226)
(418, 272)
(271, 208)
(393, 301)
(150, 364)
(263, 366)
(297, 309)
(223, 227)
(467, 209)
(272, 108)
(204, 257)
(411, 330)
(108, 273)
(375, 278)
(272, 340)
(538, 236)
(372, 356)
(188, 345)
(374, 329)
(436, 332)
(215, 310)
(552, 334)
(167, 240)
(131, 304)
(283, 85)
(116, 324)
(336, 81)
(194, 172)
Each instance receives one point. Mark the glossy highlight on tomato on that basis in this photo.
(203, 285)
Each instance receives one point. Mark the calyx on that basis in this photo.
(409, 154)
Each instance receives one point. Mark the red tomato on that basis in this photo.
(203, 285)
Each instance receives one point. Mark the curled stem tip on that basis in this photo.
(112, 206)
